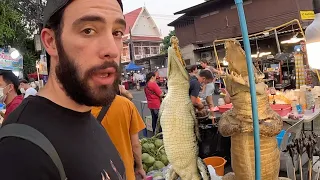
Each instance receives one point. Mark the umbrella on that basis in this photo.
(132, 67)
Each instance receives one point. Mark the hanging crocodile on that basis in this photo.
(178, 122)
(238, 122)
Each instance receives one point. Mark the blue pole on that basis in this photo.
(247, 48)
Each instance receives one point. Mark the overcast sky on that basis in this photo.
(161, 11)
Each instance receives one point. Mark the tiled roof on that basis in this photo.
(131, 18)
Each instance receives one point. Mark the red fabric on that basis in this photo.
(153, 92)
(13, 105)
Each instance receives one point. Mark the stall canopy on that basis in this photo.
(132, 67)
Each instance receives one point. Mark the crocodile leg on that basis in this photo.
(203, 169)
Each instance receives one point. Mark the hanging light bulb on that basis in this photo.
(313, 38)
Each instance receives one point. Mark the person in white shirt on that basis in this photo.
(26, 89)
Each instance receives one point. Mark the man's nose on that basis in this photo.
(109, 49)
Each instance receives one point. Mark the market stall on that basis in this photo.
(256, 132)
(292, 107)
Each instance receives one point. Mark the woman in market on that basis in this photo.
(154, 96)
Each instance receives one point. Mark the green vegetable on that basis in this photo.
(158, 165)
(150, 169)
(144, 157)
(157, 175)
(146, 146)
(164, 160)
(152, 146)
(149, 162)
(145, 167)
(158, 143)
(162, 151)
(143, 140)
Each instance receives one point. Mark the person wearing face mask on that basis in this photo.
(26, 88)
(9, 93)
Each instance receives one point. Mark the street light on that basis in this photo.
(14, 53)
(313, 38)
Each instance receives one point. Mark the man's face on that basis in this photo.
(202, 80)
(22, 85)
(5, 86)
(89, 51)
(195, 71)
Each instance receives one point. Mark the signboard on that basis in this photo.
(307, 15)
(8, 63)
(43, 65)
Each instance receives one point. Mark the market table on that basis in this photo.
(309, 117)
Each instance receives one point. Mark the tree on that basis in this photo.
(10, 22)
(166, 42)
(15, 31)
(32, 11)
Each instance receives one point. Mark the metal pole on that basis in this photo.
(277, 40)
(254, 105)
(37, 67)
(131, 47)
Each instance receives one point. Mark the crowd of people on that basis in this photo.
(13, 91)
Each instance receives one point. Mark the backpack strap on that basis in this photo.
(30, 134)
(103, 112)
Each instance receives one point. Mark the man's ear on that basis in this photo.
(49, 41)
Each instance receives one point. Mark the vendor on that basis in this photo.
(195, 88)
(206, 78)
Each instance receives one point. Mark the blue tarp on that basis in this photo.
(132, 67)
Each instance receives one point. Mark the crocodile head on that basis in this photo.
(236, 58)
(238, 77)
(176, 65)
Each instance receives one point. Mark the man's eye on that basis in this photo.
(88, 31)
(118, 34)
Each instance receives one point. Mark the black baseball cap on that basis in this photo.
(54, 6)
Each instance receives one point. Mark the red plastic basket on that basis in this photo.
(281, 109)
(224, 108)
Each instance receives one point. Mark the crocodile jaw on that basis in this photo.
(236, 58)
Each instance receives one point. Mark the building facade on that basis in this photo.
(144, 35)
(200, 25)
